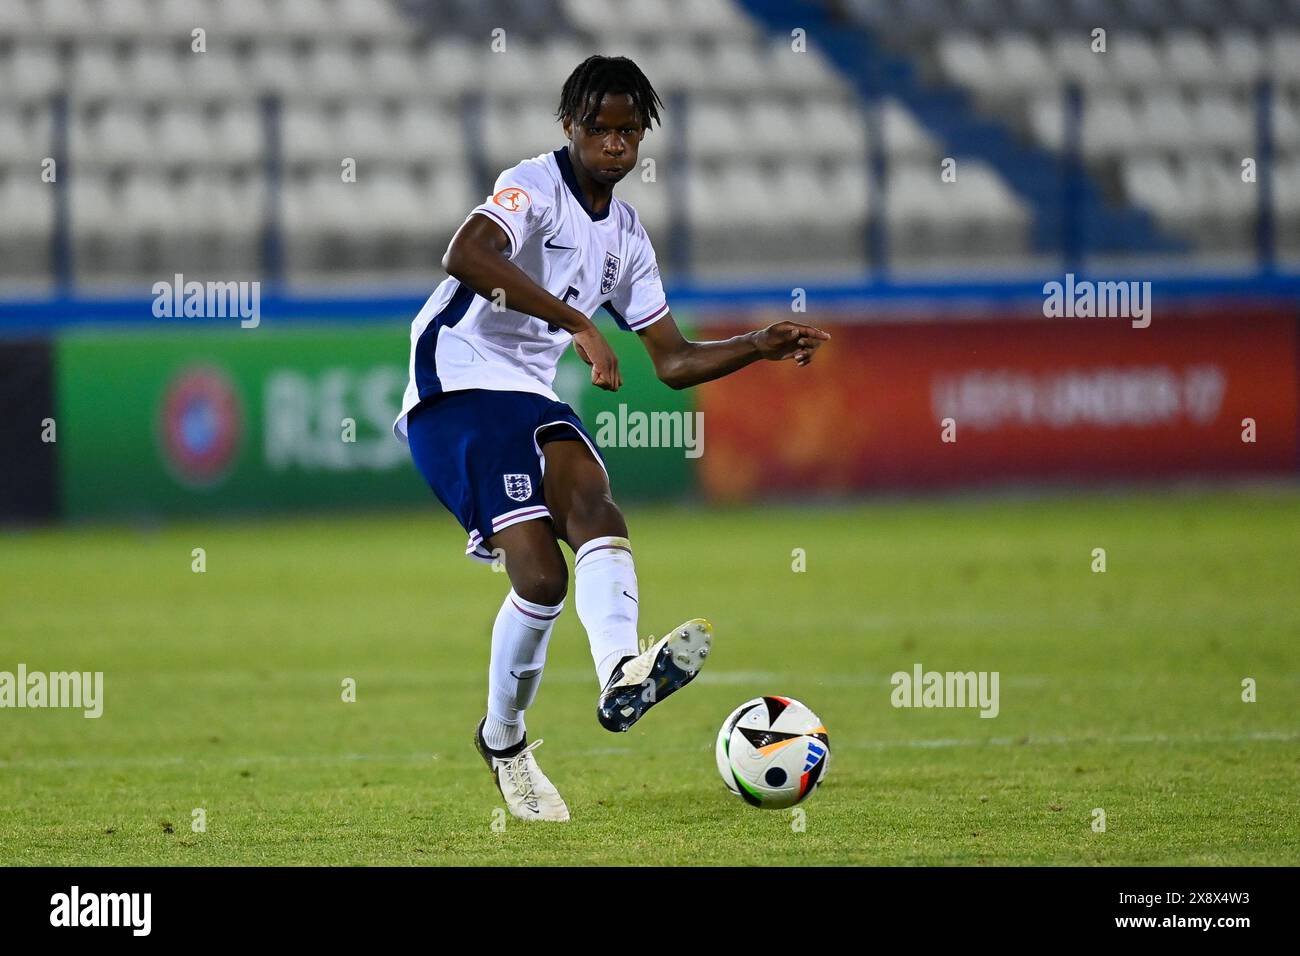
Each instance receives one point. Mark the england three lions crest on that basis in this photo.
(609, 276)
(518, 487)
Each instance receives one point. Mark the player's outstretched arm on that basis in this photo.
(680, 363)
(476, 257)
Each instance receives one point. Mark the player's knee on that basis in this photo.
(546, 583)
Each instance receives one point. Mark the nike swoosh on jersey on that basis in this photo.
(548, 245)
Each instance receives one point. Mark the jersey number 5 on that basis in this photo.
(569, 293)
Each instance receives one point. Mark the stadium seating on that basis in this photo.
(1169, 109)
(762, 165)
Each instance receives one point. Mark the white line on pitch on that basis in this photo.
(77, 763)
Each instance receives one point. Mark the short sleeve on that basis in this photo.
(638, 300)
(521, 204)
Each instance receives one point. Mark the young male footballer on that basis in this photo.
(527, 270)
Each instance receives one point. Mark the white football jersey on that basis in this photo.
(459, 341)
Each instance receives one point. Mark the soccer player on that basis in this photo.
(527, 270)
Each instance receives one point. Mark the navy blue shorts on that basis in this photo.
(481, 453)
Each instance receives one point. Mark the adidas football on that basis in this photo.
(772, 752)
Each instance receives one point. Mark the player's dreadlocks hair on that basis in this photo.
(597, 75)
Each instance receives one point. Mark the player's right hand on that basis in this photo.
(596, 352)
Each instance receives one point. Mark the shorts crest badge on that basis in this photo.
(518, 487)
(609, 276)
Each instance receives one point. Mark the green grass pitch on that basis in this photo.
(1119, 690)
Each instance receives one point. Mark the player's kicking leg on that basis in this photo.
(632, 680)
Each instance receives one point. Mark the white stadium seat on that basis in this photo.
(556, 60)
(1221, 120)
(33, 72)
(307, 134)
(95, 206)
(153, 70)
(514, 71)
(26, 137)
(66, 18)
(1287, 187)
(365, 134)
(834, 128)
(428, 131)
(965, 60)
(149, 203)
(1019, 62)
(723, 199)
(119, 134)
(449, 194)
(18, 19)
(770, 127)
(178, 18)
(1133, 59)
(903, 135)
(392, 69)
(451, 68)
(1151, 183)
(331, 70)
(1072, 54)
(714, 17)
(215, 74)
(1164, 120)
(514, 129)
(713, 128)
(237, 135)
(275, 69)
(1110, 125)
(28, 206)
(184, 137)
(1219, 183)
(845, 190)
(124, 19)
(239, 19)
(305, 18)
(375, 18)
(1241, 56)
(651, 200)
(239, 205)
(96, 72)
(1189, 58)
(794, 72)
(1284, 55)
(735, 65)
(1286, 121)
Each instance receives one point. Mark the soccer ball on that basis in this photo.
(772, 752)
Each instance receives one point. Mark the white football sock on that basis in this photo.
(519, 639)
(606, 597)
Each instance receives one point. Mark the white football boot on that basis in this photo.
(527, 792)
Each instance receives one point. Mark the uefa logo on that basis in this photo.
(200, 426)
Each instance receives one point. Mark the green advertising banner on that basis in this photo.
(190, 421)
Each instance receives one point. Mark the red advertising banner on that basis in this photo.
(926, 404)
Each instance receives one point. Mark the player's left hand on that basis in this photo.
(784, 340)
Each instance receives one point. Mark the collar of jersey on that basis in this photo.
(566, 173)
